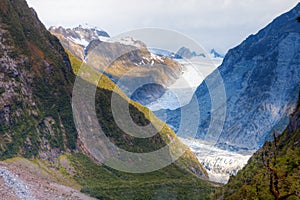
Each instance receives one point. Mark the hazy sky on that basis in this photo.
(220, 24)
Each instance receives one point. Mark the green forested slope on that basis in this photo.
(273, 172)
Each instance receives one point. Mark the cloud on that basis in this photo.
(220, 24)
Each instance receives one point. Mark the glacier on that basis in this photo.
(180, 93)
(220, 164)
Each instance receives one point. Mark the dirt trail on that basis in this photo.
(20, 188)
(24, 180)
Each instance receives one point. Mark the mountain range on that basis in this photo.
(186, 53)
(142, 75)
(78, 38)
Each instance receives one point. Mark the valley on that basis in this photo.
(84, 115)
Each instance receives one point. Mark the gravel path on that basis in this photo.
(21, 179)
(18, 186)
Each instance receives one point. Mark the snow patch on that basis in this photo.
(82, 42)
(155, 57)
(104, 39)
(88, 26)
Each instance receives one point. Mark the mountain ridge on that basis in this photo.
(261, 80)
(126, 61)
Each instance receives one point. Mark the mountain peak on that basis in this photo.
(185, 52)
(89, 26)
(81, 35)
(215, 54)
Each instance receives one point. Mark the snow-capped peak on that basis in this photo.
(82, 34)
(88, 26)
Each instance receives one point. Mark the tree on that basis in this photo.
(270, 162)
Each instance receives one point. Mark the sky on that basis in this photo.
(219, 24)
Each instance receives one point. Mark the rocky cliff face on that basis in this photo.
(36, 82)
(261, 78)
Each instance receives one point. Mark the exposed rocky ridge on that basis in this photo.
(118, 60)
(78, 38)
(261, 78)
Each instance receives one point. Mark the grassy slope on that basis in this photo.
(102, 182)
(44, 170)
